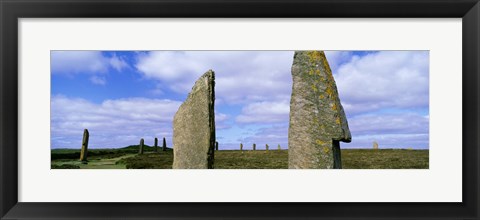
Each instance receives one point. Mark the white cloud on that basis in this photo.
(264, 112)
(390, 130)
(220, 117)
(221, 121)
(241, 76)
(380, 124)
(94, 63)
(387, 79)
(73, 62)
(112, 123)
(98, 80)
(118, 63)
(170, 65)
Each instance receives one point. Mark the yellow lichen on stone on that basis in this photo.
(334, 106)
(321, 96)
(326, 150)
(337, 120)
(320, 142)
(310, 72)
(329, 91)
(314, 55)
(314, 88)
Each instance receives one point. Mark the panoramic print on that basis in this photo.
(239, 109)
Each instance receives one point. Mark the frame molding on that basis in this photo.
(12, 10)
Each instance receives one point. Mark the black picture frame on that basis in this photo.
(12, 10)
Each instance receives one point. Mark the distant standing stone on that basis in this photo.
(194, 127)
(279, 148)
(254, 146)
(84, 151)
(241, 146)
(164, 146)
(216, 145)
(156, 144)
(140, 147)
(375, 145)
(317, 118)
(266, 147)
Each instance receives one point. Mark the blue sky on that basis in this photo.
(122, 96)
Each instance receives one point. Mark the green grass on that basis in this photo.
(385, 159)
(93, 163)
(260, 159)
(72, 154)
(152, 160)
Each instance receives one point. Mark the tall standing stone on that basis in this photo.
(241, 146)
(84, 151)
(317, 118)
(375, 145)
(266, 147)
(164, 146)
(194, 127)
(216, 145)
(140, 147)
(279, 148)
(254, 147)
(156, 144)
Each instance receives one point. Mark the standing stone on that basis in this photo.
(241, 146)
(254, 146)
(164, 146)
(194, 127)
(216, 145)
(156, 144)
(140, 147)
(375, 145)
(84, 151)
(279, 148)
(266, 147)
(317, 118)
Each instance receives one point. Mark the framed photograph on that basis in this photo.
(249, 110)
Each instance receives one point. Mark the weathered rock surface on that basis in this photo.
(84, 151)
(194, 127)
(317, 118)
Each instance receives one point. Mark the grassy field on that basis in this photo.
(127, 158)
